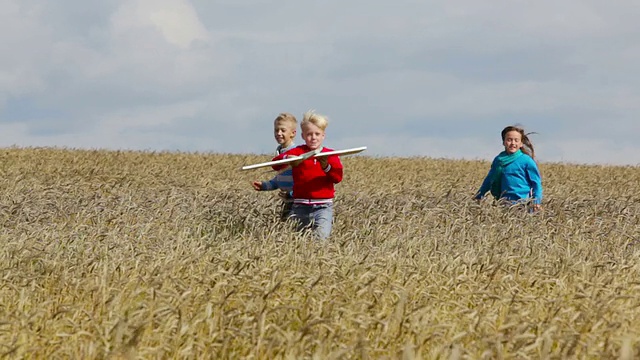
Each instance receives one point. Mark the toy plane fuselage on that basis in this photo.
(312, 153)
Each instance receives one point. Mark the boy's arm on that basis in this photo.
(279, 166)
(270, 185)
(486, 184)
(535, 181)
(292, 152)
(332, 166)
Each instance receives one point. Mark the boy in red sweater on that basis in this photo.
(313, 178)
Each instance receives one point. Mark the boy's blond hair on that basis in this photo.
(287, 118)
(316, 119)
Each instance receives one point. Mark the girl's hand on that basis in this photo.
(536, 207)
(257, 185)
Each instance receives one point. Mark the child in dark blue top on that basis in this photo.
(514, 174)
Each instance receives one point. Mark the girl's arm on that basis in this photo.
(535, 181)
(486, 184)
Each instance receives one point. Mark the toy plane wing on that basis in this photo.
(283, 161)
(313, 153)
(342, 152)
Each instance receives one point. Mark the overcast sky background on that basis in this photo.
(403, 77)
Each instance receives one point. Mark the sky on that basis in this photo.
(405, 78)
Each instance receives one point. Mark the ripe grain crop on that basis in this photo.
(114, 254)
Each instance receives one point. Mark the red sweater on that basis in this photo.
(309, 179)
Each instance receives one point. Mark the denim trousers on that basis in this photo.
(318, 218)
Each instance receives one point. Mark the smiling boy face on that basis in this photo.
(284, 132)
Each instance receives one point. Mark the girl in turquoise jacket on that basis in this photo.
(514, 176)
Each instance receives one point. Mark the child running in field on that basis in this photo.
(514, 176)
(313, 178)
(284, 131)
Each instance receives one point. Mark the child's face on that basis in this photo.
(313, 136)
(512, 142)
(284, 132)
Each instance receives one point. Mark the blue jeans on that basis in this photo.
(315, 217)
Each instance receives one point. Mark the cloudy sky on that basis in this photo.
(404, 77)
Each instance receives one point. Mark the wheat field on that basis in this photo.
(142, 255)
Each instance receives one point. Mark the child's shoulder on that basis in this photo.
(526, 161)
(497, 157)
(300, 149)
(285, 149)
(527, 158)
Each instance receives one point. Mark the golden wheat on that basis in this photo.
(172, 255)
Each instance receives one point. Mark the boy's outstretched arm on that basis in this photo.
(265, 185)
(270, 185)
(284, 156)
(257, 185)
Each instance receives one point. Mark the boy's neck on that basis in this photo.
(284, 146)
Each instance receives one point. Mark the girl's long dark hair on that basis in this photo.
(528, 146)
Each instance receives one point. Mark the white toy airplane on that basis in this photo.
(313, 153)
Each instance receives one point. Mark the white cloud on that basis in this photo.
(176, 20)
(409, 78)
(22, 33)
